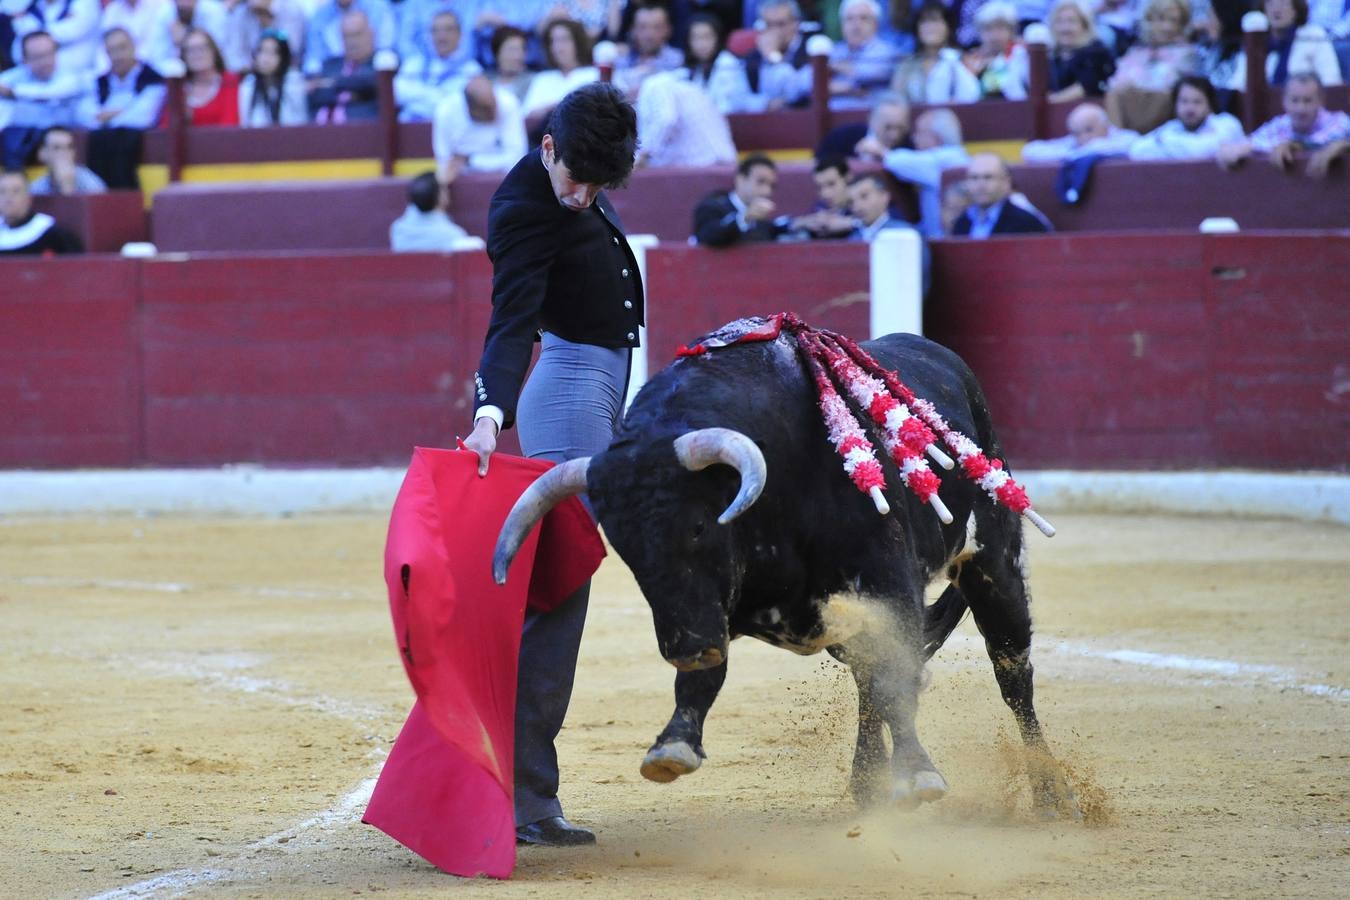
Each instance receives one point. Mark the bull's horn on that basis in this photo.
(546, 492)
(708, 446)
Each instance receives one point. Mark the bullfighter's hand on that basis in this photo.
(483, 441)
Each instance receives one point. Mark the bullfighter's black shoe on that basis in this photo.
(555, 831)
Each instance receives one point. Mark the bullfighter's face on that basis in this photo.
(662, 520)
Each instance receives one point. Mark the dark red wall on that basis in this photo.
(1127, 350)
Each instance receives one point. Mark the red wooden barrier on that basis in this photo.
(70, 392)
(103, 222)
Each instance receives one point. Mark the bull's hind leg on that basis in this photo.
(994, 585)
(679, 748)
(887, 669)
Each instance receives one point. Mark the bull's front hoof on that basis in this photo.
(909, 791)
(666, 762)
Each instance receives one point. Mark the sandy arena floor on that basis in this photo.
(198, 706)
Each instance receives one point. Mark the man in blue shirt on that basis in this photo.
(43, 96)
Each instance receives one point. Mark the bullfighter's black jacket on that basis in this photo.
(568, 273)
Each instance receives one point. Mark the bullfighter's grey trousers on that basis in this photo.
(570, 407)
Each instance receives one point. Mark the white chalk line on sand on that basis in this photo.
(179, 587)
(1197, 670)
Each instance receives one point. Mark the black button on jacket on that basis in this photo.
(570, 273)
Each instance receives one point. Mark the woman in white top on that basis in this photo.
(567, 48)
(274, 92)
(712, 67)
(935, 73)
(1295, 47)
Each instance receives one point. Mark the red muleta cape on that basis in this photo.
(446, 791)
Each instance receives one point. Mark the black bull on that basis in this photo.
(723, 495)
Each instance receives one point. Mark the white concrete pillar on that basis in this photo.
(896, 282)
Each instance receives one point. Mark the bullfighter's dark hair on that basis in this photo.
(594, 130)
(1201, 84)
(424, 192)
(838, 163)
(754, 159)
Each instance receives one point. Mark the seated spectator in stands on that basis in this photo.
(596, 16)
(73, 24)
(937, 148)
(935, 73)
(678, 125)
(144, 20)
(424, 225)
(274, 92)
(212, 93)
(870, 199)
(24, 231)
(1080, 64)
(710, 66)
(478, 129)
(1220, 36)
(1332, 15)
(861, 65)
(125, 101)
(1295, 46)
(567, 48)
(885, 129)
(42, 95)
(746, 213)
(64, 175)
(831, 216)
(1197, 132)
(344, 90)
(999, 62)
(955, 200)
(413, 25)
(1307, 126)
(508, 54)
(248, 19)
(181, 16)
(1118, 23)
(1090, 133)
(649, 49)
(992, 210)
(326, 39)
(778, 70)
(423, 82)
(1139, 95)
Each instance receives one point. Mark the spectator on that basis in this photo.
(1139, 94)
(1000, 60)
(870, 199)
(934, 74)
(73, 24)
(1333, 16)
(831, 216)
(64, 175)
(42, 96)
(478, 129)
(212, 93)
(992, 210)
(24, 231)
(678, 125)
(508, 54)
(1307, 126)
(1221, 49)
(1197, 132)
(1090, 134)
(778, 70)
(1295, 47)
(326, 38)
(937, 148)
(274, 92)
(596, 16)
(567, 48)
(1080, 64)
(424, 81)
(176, 19)
(345, 88)
(248, 19)
(649, 50)
(710, 66)
(746, 213)
(1118, 23)
(144, 21)
(414, 19)
(861, 64)
(424, 225)
(125, 101)
(885, 129)
(955, 199)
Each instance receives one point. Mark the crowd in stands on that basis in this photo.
(1155, 77)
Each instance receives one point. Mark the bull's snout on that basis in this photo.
(708, 659)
